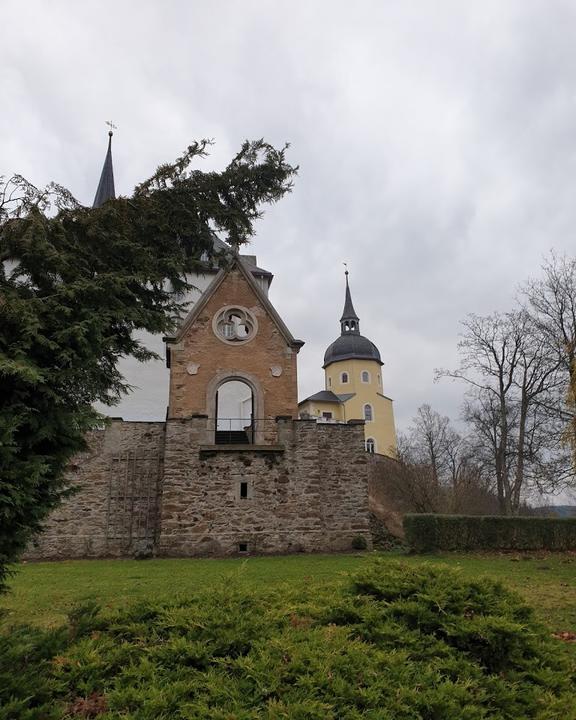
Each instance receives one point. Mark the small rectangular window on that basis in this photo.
(243, 547)
(327, 415)
(243, 490)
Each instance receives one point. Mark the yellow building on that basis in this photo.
(353, 386)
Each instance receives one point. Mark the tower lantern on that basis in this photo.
(349, 322)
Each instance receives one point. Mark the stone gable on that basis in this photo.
(199, 359)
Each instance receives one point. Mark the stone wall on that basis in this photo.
(165, 489)
(308, 493)
(114, 513)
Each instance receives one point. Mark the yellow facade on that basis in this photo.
(366, 390)
(353, 385)
(322, 410)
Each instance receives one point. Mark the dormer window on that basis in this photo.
(344, 378)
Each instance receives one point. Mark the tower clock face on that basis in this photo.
(235, 325)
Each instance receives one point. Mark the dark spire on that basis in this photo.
(349, 322)
(106, 185)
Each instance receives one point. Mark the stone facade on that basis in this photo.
(267, 363)
(164, 489)
(272, 484)
(114, 511)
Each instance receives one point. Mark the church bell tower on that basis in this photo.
(353, 387)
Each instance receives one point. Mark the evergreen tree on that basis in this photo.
(75, 282)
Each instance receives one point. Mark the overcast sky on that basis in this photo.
(436, 143)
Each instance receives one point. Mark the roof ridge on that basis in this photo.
(215, 284)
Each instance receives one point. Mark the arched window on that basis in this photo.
(344, 378)
(368, 413)
(365, 377)
(379, 379)
(329, 382)
(370, 445)
(234, 413)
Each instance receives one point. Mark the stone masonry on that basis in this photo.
(162, 489)
(308, 493)
(114, 511)
(194, 393)
(172, 489)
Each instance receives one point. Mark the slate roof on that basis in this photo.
(351, 347)
(328, 396)
(105, 190)
(222, 248)
(348, 313)
(324, 396)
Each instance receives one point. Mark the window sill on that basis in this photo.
(211, 450)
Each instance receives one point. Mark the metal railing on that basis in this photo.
(245, 431)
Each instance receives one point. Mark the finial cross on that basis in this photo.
(111, 125)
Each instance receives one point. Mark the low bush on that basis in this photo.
(359, 542)
(400, 641)
(428, 533)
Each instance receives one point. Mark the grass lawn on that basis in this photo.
(291, 638)
(43, 593)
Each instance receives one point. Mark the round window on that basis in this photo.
(235, 325)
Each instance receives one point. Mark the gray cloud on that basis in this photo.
(436, 144)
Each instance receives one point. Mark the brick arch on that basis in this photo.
(224, 376)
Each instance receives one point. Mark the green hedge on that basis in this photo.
(427, 533)
(397, 641)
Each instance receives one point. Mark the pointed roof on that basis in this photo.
(245, 271)
(328, 396)
(348, 313)
(105, 189)
(350, 345)
(222, 248)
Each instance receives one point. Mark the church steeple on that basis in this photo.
(349, 322)
(105, 189)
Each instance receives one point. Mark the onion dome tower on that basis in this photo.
(353, 385)
(350, 345)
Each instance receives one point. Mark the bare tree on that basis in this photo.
(413, 483)
(436, 470)
(513, 381)
(551, 300)
(428, 439)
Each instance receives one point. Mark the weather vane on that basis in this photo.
(111, 126)
(346, 266)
